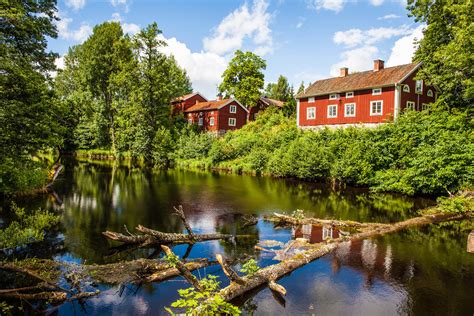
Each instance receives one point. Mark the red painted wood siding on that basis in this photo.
(224, 115)
(221, 118)
(419, 99)
(180, 107)
(362, 100)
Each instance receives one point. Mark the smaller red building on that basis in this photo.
(262, 104)
(184, 102)
(218, 115)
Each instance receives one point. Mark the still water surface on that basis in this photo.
(418, 272)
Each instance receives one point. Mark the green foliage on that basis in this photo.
(21, 176)
(28, 111)
(207, 302)
(250, 267)
(281, 90)
(422, 153)
(447, 47)
(193, 145)
(172, 259)
(26, 228)
(456, 204)
(298, 214)
(243, 78)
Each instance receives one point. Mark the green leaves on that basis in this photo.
(250, 267)
(243, 79)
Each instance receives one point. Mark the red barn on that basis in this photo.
(217, 116)
(184, 102)
(365, 98)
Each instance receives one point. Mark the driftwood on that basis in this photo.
(183, 270)
(151, 237)
(271, 273)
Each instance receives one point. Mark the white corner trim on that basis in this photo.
(298, 112)
(397, 101)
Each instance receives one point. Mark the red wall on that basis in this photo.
(221, 118)
(419, 99)
(181, 106)
(224, 115)
(362, 100)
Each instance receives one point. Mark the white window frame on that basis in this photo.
(190, 121)
(331, 106)
(372, 113)
(311, 100)
(429, 93)
(311, 110)
(410, 105)
(419, 91)
(345, 110)
(232, 121)
(211, 121)
(406, 88)
(233, 109)
(349, 94)
(334, 96)
(425, 106)
(376, 91)
(201, 121)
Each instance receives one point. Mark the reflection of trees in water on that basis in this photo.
(232, 224)
(431, 263)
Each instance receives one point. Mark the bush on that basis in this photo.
(21, 175)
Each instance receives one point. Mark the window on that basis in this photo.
(333, 96)
(211, 121)
(233, 109)
(410, 105)
(424, 106)
(349, 94)
(332, 110)
(429, 93)
(419, 87)
(232, 121)
(406, 88)
(377, 91)
(311, 100)
(311, 113)
(200, 121)
(376, 107)
(190, 121)
(350, 110)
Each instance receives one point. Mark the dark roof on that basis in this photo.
(359, 80)
(185, 97)
(209, 105)
(274, 102)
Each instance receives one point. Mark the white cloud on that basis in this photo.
(203, 68)
(130, 28)
(389, 17)
(376, 2)
(404, 48)
(355, 37)
(121, 3)
(358, 59)
(59, 62)
(300, 23)
(78, 35)
(76, 4)
(243, 23)
(332, 5)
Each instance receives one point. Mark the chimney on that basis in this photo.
(378, 64)
(344, 72)
(219, 97)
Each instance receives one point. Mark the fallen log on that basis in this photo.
(277, 271)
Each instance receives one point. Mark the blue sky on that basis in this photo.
(305, 40)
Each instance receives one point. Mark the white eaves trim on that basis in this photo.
(232, 100)
(194, 94)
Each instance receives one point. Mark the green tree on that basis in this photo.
(447, 47)
(243, 78)
(301, 88)
(281, 90)
(28, 111)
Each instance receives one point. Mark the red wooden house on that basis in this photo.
(184, 102)
(365, 98)
(262, 104)
(217, 116)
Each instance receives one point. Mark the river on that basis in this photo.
(424, 271)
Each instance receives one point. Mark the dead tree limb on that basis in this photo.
(228, 271)
(171, 238)
(277, 271)
(183, 270)
(277, 217)
(179, 211)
